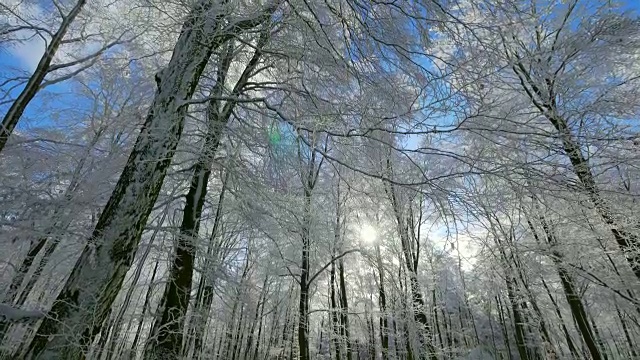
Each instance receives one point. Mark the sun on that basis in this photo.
(368, 234)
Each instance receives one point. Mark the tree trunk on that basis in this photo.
(238, 333)
(567, 335)
(260, 304)
(335, 322)
(534, 304)
(371, 343)
(572, 348)
(89, 293)
(205, 288)
(435, 318)
(598, 338)
(303, 306)
(406, 310)
(503, 323)
(628, 242)
(309, 179)
(115, 323)
(176, 300)
(46, 244)
(518, 321)
(145, 306)
(627, 336)
(21, 273)
(411, 263)
(17, 280)
(382, 302)
(493, 335)
(220, 347)
(27, 94)
(571, 294)
(259, 336)
(344, 309)
(396, 334)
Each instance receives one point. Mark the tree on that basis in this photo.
(118, 230)
(323, 180)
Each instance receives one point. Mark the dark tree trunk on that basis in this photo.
(382, 302)
(596, 333)
(578, 311)
(344, 309)
(503, 323)
(17, 280)
(567, 335)
(220, 347)
(27, 94)
(260, 324)
(176, 300)
(406, 309)
(518, 321)
(88, 293)
(435, 318)
(303, 306)
(260, 304)
(335, 311)
(627, 336)
(21, 273)
(411, 262)
(204, 297)
(628, 242)
(371, 346)
(396, 334)
(335, 321)
(239, 332)
(309, 179)
(113, 326)
(145, 306)
(493, 335)
(571, 294)
(229, 333)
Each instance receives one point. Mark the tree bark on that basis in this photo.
(628, 242)
(503, 323)
(27, 94)
(335, 322)
(115, 323)
(303, 306)
(411, 262)
(567, 335)
(627, 336)
(145, 306)
(46, 244)
(598, 338)
(518, 322)
(205, 288)
(260, 324)
(571, 294)
(176, 297)
(382, 302)
(90, 293)
(344, 310)
(435, 318)
(176, 300)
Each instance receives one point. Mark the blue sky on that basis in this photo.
(22, 59)
(633, 5)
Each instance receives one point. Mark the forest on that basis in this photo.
(320, 179)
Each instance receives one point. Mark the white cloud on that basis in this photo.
(26, 46)
(28, 53)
